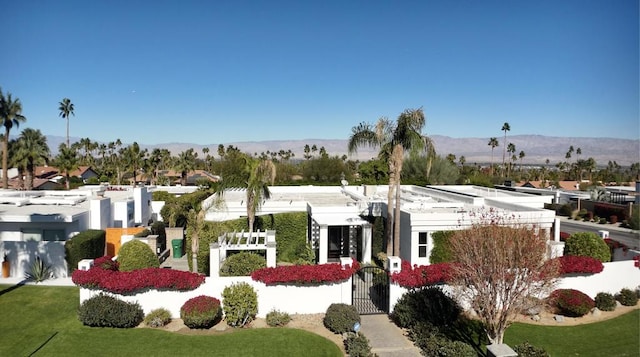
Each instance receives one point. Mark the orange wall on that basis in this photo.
(114, 235)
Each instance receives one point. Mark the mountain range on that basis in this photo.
(537, 148)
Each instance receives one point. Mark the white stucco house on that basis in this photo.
(337, 228)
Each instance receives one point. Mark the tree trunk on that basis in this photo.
(5, 155)
(251, 213)
(397, 157)
(68, 183)
(390, 196)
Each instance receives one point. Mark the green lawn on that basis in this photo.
(42, 321)
(615, 337)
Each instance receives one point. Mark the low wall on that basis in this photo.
(286, 298)
(614, 277)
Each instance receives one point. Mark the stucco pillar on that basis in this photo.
(271, 249)
(214, 259)
(556, 229)
(323, 251)
(366, 242)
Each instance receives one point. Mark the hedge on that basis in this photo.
(441, 251)
(89, 244)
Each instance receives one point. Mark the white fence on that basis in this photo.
(286, 298)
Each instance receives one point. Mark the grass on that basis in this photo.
(42, 321)
(615, 337)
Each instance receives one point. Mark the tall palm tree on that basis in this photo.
(10, 115)
(32, 150)
(505, 127)
(134, 158)
(66, 108)
(18, 161)
(521, 155)
(511, 149)
(493, 142)
(393, 139)
(67, 160)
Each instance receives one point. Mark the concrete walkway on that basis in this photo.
(385, 338)
(176, 263)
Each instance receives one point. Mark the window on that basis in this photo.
(31, 235)
(422, 244)
(53, 235)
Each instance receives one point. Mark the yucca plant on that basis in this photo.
(39, 271)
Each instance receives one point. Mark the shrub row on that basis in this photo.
(84, 245)
(415, 276)
(579, 264)
(305, 274)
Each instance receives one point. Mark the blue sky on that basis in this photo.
(209, 72)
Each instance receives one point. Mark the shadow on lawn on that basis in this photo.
(13, 287)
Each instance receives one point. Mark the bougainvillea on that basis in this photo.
(570, 264)
(423, 275)
(137, 280)
(305, 274)
(571, 302)
(106, 262)
(201, 312)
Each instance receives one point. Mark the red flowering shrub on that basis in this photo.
(572, 302)
(137, 280)
(423, 275)
(305, 274)
(201, 312)
(106, 262)
(579, 264)
(564, 236)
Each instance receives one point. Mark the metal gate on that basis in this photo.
(371, 290)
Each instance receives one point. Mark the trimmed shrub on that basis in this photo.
(340, 318)
(135, 255)
(605, 302)
(357, 345)
(242, 264)
(587, 244)
(240, 304)
(89, 244)
(441, 252)
(276, 318)
(566, 210)
(106, 263)
(433, 343)
(613, 219)
(201, 312)
(428, 304)
(157, 318)
(602, 220)
(107, 311)
(627, 297)
(525, 349)
(571, 302)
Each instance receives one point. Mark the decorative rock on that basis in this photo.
(221, 326)
(533, 311)
(596, 312)
(559, 318)
(535, 317)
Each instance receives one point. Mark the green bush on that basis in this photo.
(340, 318)
(276, 318)
(587, 244)
(357, 345)
(571, 302)
(526, 349)
(242, 264)
(566, 210)
(441, 251)
(136, 254)
(634, 220)
(428, 304)
(240, 304)
(627, 297)
(304, 254)
(433, 343)
(157, 318)
(143, 233)
(201, 312)
(89, 244)
(106, 311)
(605, 302)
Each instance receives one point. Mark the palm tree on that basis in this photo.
(10, 115)
(66, 108)
(32, 150)
(511, 149)
(521, 155)
(505, 128)
(261, 174)
(393, 139)
(493, 142)
(185, 163)
(67, 161)
(134, 159)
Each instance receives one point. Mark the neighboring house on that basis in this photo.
(174, 177)
(337, 228)
(39, 222)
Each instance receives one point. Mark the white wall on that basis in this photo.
(100, 213)
(614, 277)
(22, 254)
(286, 298)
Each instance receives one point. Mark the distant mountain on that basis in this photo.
(537, 148)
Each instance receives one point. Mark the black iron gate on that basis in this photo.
(371, 290)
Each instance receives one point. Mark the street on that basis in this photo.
(625, 236)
